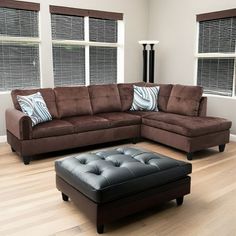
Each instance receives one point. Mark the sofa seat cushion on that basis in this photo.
(88, 123)
(118, 119)
(141, 113)
(52, 128)
(185, 125)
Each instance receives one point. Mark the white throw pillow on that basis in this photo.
(145, 99)
(35, 107)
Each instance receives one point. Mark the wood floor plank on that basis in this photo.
(30, 204)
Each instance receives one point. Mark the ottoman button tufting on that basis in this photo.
(83, 162)
(97, 172)
(116, 164)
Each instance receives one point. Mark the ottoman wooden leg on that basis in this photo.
(64, 197)
(179, 200)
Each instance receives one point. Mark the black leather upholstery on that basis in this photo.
(111, 174)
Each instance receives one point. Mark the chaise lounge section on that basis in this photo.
(96, 114)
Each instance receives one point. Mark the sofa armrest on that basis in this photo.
(203, 107)
(19, 124)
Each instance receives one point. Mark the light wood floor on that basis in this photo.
(31, 205)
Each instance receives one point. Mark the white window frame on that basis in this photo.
(86, 43)
(216, 56)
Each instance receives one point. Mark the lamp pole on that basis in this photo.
(145, 63)
(151, 63)
(148, 64)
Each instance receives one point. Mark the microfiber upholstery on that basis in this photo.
(118, 119)
(186, 125)
(73, 101)
(126, 92)
(88, 123)
(185, 100)
(141, 113)
(111, 174)
(104, 98)
(163, 95)
(101, 113)
(47, 94)
(52, 128)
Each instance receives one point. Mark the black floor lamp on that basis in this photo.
(148, 62)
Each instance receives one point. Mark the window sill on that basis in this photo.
(5, 92)
(218, 96)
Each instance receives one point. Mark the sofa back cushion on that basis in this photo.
(185, 100)
(73, 101)
(126, 92)
(104, 98)
(163, 96)
(47, 94)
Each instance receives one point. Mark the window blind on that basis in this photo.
(217, 35)
(68, 65)
(19, 66)
(103, 65)
(19, 60)
(102, 30)
(216, 76)
(18, 23)
(67, 27)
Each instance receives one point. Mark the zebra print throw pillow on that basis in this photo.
(35, 107)
(145, 98)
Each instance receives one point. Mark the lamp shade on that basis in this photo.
(148, 42)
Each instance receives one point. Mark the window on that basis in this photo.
(68, 58)
(103, 65)
(217, 52)
(19, 45)
(85, 46)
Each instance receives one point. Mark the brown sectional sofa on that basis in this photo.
(101, 113)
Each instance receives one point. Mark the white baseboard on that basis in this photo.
(3, 139)
(233, 137)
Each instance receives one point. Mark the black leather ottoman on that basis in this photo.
(110, 184)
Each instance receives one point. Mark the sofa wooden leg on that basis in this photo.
(26, 160)
(221, 147)
(190, 156)
(100, 229)
(13, 150)
(179, 200)
(65, 197)
(135, 140)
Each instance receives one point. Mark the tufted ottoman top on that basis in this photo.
(111, 174)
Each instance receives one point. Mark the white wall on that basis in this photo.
(135, 20)
(173, 23)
